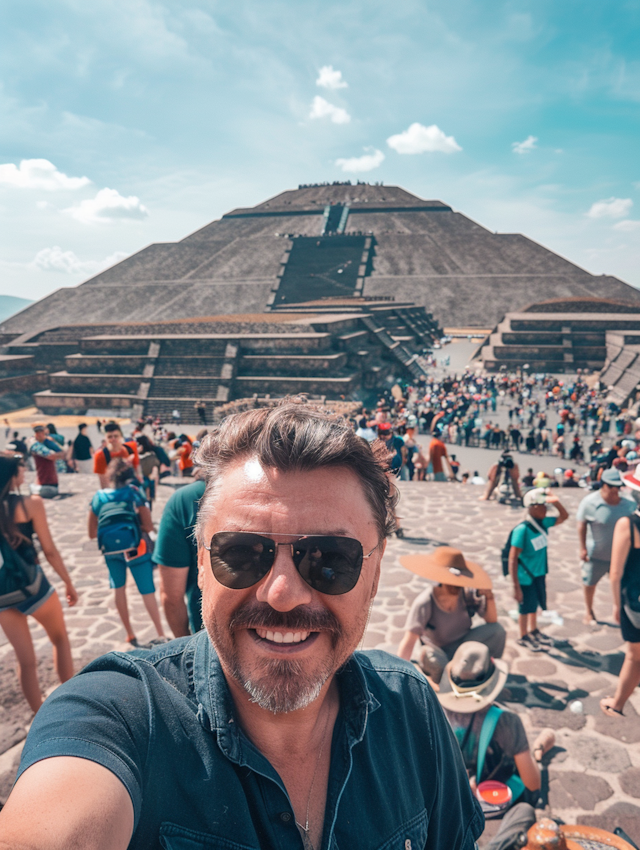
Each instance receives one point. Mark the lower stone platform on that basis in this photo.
(592, 776)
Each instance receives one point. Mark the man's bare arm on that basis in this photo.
(66, 803)
(173, 586)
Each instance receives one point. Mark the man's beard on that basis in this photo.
(279, 685)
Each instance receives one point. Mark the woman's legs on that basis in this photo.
(120, 595)
(15, 626)
(51, 618)
(628, 680)
(151, 604)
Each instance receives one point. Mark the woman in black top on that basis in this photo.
(21, 518)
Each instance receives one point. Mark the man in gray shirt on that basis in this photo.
(597, 516)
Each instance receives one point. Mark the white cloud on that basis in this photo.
(56, 260)
(366, 162)
(611, 208)
(321, 108)
(419, 139)
(527, 146)
(627, 226)
(39, 174)
(108, 205)
(330, 79)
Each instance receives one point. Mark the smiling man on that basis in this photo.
(267, 730)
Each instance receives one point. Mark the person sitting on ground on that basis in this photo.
(528, 479)
(133, 509)
(477, 479)
(441, 617)
(569, 479)
(492, 739)
(528, 565)
(116, 448)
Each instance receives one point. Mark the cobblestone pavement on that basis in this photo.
(592, 776)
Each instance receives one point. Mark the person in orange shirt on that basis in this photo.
(116, 447)
(185, 459)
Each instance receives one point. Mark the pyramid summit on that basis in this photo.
(327, 240)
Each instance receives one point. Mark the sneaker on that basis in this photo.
(529, 642)
(543, 639)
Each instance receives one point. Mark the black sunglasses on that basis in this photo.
(328, 564)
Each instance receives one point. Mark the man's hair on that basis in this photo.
(112, 426)
(295, 436)
(82, 426)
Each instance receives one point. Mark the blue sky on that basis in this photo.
(127, 122)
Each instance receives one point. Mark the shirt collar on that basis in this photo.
(217, 714)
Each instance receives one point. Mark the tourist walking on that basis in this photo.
(118, 516)
(82, 451)
(597, 516)
(20, 518)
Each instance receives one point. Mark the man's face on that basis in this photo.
(114, 439)
(40, 435)
(280, 641)
(610, 494)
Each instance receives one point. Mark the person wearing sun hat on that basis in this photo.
(597, 516)
(440, 616)
(492, 739)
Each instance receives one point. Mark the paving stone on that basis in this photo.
(605, 642)
(600, 755)
(536, 668)
(566, 719)
(625, 728)
(586, 790)
(622, 814)
(630, 781)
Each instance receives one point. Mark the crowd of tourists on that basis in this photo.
(410, 432)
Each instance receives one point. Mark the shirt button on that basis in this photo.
(285, 817)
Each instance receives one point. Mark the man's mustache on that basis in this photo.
(301, 619)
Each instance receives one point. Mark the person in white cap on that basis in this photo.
(528, 564)
(597, 516)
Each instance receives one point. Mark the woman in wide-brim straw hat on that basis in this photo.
(440, 616)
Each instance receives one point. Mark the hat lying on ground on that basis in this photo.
(448, 566)
(472, 680)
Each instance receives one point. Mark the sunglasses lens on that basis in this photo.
(329, 564)
(241, 560)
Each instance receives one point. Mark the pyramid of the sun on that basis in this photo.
(328, 240)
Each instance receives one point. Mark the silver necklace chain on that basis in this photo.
(306, 841)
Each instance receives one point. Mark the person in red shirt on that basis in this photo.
(116, 447)
(437, 456)
(185, 459)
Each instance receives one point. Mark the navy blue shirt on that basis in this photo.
(164, 723)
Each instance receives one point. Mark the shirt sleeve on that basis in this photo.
(99, 462)
(419, 613)
(510, 735)
(173, 547)
(581, 515)
(100, 716)
(40, 449)
(519, 536)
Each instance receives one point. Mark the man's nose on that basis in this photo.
(283, 588)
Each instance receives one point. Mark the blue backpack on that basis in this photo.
(118, 528)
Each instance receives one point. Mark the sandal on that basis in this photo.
(607, 708)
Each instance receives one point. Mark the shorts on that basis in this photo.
(32, 604)
(439, 476)
(629, 632)
(141, 570)
(534, 596)
(592, 571)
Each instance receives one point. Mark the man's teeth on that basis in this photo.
(282, 637)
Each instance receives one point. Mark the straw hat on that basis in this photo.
(472, 680)
(446, 565)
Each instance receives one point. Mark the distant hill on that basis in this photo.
(9, 305)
